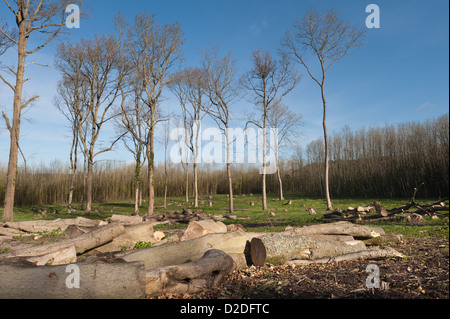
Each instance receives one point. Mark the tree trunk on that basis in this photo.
(82, 243)
(195, 185)
(339, 228)
(34, 226)
(151, 167)
(325, 136)
(280, 183)
(373, 253)
(192, 277)
(137, 179)
(230, 181)
(186, 251)
(89, 189)
(264, 196)
(279, 248)
(8, 211)
(75, 281)
(187, 182)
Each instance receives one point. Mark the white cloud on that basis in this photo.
(426, 105)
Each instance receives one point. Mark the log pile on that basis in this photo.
(410, 211)
(108, 267)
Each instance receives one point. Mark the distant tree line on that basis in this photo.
(374, 162)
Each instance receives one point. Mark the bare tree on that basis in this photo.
(72, 91)
(329, 38)
(133, 119)
(287, 123)
(151, 51)
(268, 81)
(32, 17)
(189, 87)
(102, 71)
(223, 89)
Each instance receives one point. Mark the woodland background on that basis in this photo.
(374, 162)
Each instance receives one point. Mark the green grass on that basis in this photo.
(252, 217)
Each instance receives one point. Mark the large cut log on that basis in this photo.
(278, 248)
(339, 228)
(59, 257)
(185, 251)
(74, 281)
(133, 234)
(81, 243)
(200, 228)
(192, 277)
(373, 253)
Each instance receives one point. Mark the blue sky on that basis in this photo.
(400, 74)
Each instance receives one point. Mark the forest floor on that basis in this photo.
(423, 273)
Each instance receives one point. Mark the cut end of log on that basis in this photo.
(257, 252)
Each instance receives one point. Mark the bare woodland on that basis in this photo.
(123, 79)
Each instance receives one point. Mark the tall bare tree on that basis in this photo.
(32, 17)
(72, 92)
(223, 89)
(102, 71)
(151, 50)
(328, 38)
(134, 119)
(287, 123)
(268, 81)
(189, 85)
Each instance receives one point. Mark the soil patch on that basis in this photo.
(423, 274)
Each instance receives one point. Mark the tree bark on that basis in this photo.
(373, 253)
(279, 248)
(33, 226)
(8, 213)
(102, 281)
(185, 251)
(339, 228)
(325, 136)
(192, 277)
(89, 181)
(82, 243)
(151, 168)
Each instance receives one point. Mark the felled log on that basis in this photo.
(33, 226)
(81, 243)
(60, 257)
(278, 248)
(74, 281)
(373, 253)
(339, 228)
(125, 219)
(200, 228)
(185, 251)
(384, 239)
(133, 233)
(192, 277)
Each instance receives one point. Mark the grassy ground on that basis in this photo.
(253, 218)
